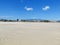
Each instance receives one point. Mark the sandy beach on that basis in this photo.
(29, 33)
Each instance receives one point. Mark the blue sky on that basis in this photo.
(30, 9)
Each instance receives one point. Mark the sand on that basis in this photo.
(29, 33)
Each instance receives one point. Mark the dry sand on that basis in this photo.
(20, 33)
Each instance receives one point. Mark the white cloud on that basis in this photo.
(46, 8)
(28, 8)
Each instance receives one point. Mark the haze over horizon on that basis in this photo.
(30, 9)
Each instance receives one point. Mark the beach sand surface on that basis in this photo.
(29, 33)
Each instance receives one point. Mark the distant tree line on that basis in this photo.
(5, 20)
(58, 21)
(35, 21)
(27, 20)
